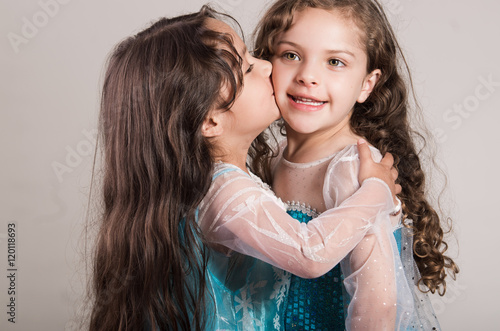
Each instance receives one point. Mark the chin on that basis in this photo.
(302, 128)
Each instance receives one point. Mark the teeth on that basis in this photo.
(306, 101)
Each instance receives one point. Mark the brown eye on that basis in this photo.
(336, 63)
(250, 68)
(291, 56)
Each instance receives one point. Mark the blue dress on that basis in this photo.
(248, 291)
(324, 303)
(315, 304)
(245, 293)
(321, 303)
(248, 294)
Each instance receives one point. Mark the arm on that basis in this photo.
(370, 269)
(239, 214)
(370, 280)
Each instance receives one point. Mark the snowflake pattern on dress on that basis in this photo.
(282, 281)
(244, 222)
(244, 304)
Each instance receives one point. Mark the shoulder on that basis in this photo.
(229, 180)
(225, 169)
(350, 153)
(345, 163)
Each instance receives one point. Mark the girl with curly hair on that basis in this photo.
(337, 75)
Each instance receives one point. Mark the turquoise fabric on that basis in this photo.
(315, 304)
(398, 234)
(319, 303)
(248, 294)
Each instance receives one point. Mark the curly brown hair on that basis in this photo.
(383, 120)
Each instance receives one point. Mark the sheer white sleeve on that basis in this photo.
(373, 276)
(240, 213)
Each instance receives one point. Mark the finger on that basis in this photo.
(364, 151)
(394, 173)
(397, 189)
(388, 160)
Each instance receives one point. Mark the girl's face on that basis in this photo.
(319, 71)
(255, 106)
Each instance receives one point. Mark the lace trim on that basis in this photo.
(267, 189)
(302, 207)
(317, 162)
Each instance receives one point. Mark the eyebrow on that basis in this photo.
(330, 51)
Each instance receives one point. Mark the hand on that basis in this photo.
(383, 170)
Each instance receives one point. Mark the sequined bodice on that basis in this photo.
(239, 214)
(318, 303)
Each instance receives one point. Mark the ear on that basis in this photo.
(369, 84)
(212, 125)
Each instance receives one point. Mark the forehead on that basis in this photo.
(326, 25)
(219, 26)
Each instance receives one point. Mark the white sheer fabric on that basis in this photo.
(240, 213)
(424, 317)
(380, 298)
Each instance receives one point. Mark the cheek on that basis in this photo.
(279, 78)
(344, 89)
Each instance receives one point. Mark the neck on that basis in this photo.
(309, 147)
(235, 154)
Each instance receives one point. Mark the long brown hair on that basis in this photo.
(149, 263)
(382, 119)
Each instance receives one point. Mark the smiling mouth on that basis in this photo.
(306, 101)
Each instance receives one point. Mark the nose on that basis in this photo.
(307, 75)
(266, 67)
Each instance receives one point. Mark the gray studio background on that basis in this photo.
(51, 57)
